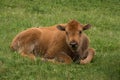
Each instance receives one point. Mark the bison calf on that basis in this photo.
(64, 43)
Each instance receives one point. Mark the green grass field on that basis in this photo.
(103, 15)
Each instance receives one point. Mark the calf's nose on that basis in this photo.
(73, 44)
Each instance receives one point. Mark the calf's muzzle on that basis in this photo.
(73, 45)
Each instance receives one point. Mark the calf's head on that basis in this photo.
(73, 30)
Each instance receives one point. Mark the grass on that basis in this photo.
(103, 15)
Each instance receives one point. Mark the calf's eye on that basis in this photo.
(80, 32)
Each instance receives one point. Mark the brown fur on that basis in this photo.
(53, 43)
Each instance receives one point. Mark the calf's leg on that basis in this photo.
(29, 55)
(59, 58)
(89, 56)
(63, 58)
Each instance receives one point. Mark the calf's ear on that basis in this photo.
(86, 27)
(60, 27)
